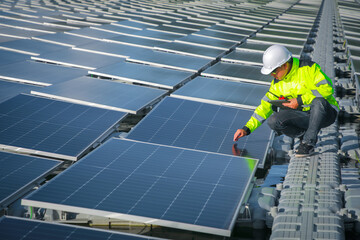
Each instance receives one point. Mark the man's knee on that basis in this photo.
(320, 102)
(272, 121)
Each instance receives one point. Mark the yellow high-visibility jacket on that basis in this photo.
(305, 81)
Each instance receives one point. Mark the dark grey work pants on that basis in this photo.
(307, 125)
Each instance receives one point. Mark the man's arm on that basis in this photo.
(261, 113)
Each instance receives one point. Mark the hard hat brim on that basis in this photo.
(266, 71)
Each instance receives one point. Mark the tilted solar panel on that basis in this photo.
(31, 47)
(170, 60)
(11, 89)
(20, 173)
(154, 184)
(76, 58)
(144, 74)
(211, 90)
(52, 128)
(40, 74)
(237, 72)
(202, 126)
(103, 93)
(15, 228)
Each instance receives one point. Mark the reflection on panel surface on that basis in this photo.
(103, 93)
(202, 126)
(146, 182)
(238, 72)
(53, 128)
(222, 92)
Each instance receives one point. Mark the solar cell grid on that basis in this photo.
(18, 173)
(201, 126)
(53, 128)
(161, 185)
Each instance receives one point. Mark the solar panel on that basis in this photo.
(4, 39)
(228, 29)
(156, 35)
(243, 23)
(171, 29)
(8, 57)
(134, 24)
(244, 57)
(144, 74)
(21, 228)
(39, 73)
(191, 50)
(136, 41)
(103, 94)
(204, 41)
(277, 40)
(28, 26)
(170, 60)
(153, 184)
(31, 47)
(185, 25)
(63, 39)
(294, 22)
(261, 47)
(353, 42)
(286, 29)
(91, 33)
(222, 92)
(80, 59)
(287, 35)
(19, 33)
(19, 174)
(237, 72)
(110, 49)
(202, 126)
(292, 25)
(220, 35)
(52, 128)
(115, 29)
(11, 89)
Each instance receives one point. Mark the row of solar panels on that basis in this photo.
(350, 20)
(193, 185)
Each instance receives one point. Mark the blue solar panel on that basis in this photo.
(222, 92)
(104, 94)
(53, 128)
(155, 184)
(39, 73)
(202, 126)
(237, 72)
(25, 229)
(11, 89)
(144, 74)
(31, 47)
(18, 174)
(8, 57)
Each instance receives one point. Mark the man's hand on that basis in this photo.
(239, 134)
(292, 103)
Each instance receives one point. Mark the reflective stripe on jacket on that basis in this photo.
(305, 81)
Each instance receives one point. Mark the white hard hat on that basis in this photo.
(274, 57)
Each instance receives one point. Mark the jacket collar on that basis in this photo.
(294, 68)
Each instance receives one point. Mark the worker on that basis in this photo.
(307, 92)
